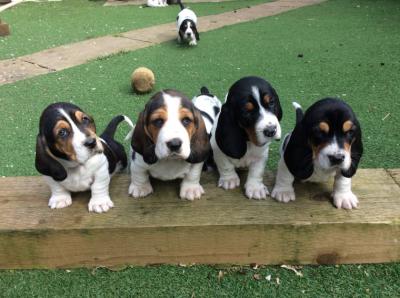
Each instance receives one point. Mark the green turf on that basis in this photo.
(203, 281)
(38, 26)
(344, 44)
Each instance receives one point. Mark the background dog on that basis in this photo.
(169, 141)
(157, 3)
(186, 23)
(72, 158)
(247, 124)
(326, 141)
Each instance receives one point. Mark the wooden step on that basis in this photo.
(222, 227)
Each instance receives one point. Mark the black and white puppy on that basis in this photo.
(247, 124)
(73, 158)
(169, 141)
(209, 106)
(326, 141)
(186, 23)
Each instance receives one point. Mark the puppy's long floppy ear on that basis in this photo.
(277, 108)
(230, 137)
(200, 142)
(356, 153)
(45, 164)
(141, 142)
(298, 153)
(196, 33)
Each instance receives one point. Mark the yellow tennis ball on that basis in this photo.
(142, 80)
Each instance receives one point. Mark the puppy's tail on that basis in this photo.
(299, 112)
(181, 5)
(204, 91)
(111, 128)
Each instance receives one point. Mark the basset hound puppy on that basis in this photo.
(73, 158)
(247, 124)
(169, 141)
(326, 141)
(186, 23)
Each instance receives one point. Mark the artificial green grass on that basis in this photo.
(38, 26)
(350, 49)
(203, 281)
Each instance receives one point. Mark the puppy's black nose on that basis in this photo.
(270, 131)
(174, 144)
(336, 159)
(90, 143)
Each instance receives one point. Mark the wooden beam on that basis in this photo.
(222, 227)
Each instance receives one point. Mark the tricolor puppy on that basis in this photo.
(247, 124)
(209, 106)
(170, 141)
(326, 141)
(72, 158)
(186, 23)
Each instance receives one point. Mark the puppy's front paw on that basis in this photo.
(191, 191)
(58, 202)
(137, 191)
(345, 200)
(192, 43)
(284, 195)
(229, 183)
(100, 204)
(257, 191)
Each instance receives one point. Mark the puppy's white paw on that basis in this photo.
(100, 204)
(191, 191)
(192, 43)
(257, 191)
(137, 191)
(58, 202)
(284, 195)
(345, 200)
(229, 183)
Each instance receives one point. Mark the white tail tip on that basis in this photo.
(296, 105)
(130, 133)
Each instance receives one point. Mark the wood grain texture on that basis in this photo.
(222, 227)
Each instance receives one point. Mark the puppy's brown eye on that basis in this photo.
(186, 121)
(158, 122)
(85, 120)
(63, 133)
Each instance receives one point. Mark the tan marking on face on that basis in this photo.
(185, 113)
(267, 98)
(151, 130)
(249, 106)
(251, 133)
(79, 116)
(347, 147)
(317, 149)
(347, 125)
(64, 145)
(91, 127)
(323, 126)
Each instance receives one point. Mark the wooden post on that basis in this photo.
(222, 227)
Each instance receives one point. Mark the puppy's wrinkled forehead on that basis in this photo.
(167, 101)
(58, 112)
